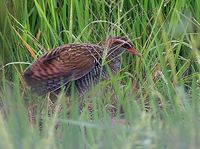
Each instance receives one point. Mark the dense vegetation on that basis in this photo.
(159, 92)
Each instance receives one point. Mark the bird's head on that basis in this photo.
(121, 42)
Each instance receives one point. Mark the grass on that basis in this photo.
(167, 76)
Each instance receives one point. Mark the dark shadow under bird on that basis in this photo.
(85, 64)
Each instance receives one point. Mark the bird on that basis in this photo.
(84, 64)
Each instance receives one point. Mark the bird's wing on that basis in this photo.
(58, 67)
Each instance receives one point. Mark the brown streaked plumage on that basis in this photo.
(81, 63)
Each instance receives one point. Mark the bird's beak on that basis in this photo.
(134, 51)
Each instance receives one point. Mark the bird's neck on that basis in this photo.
(116, 51)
